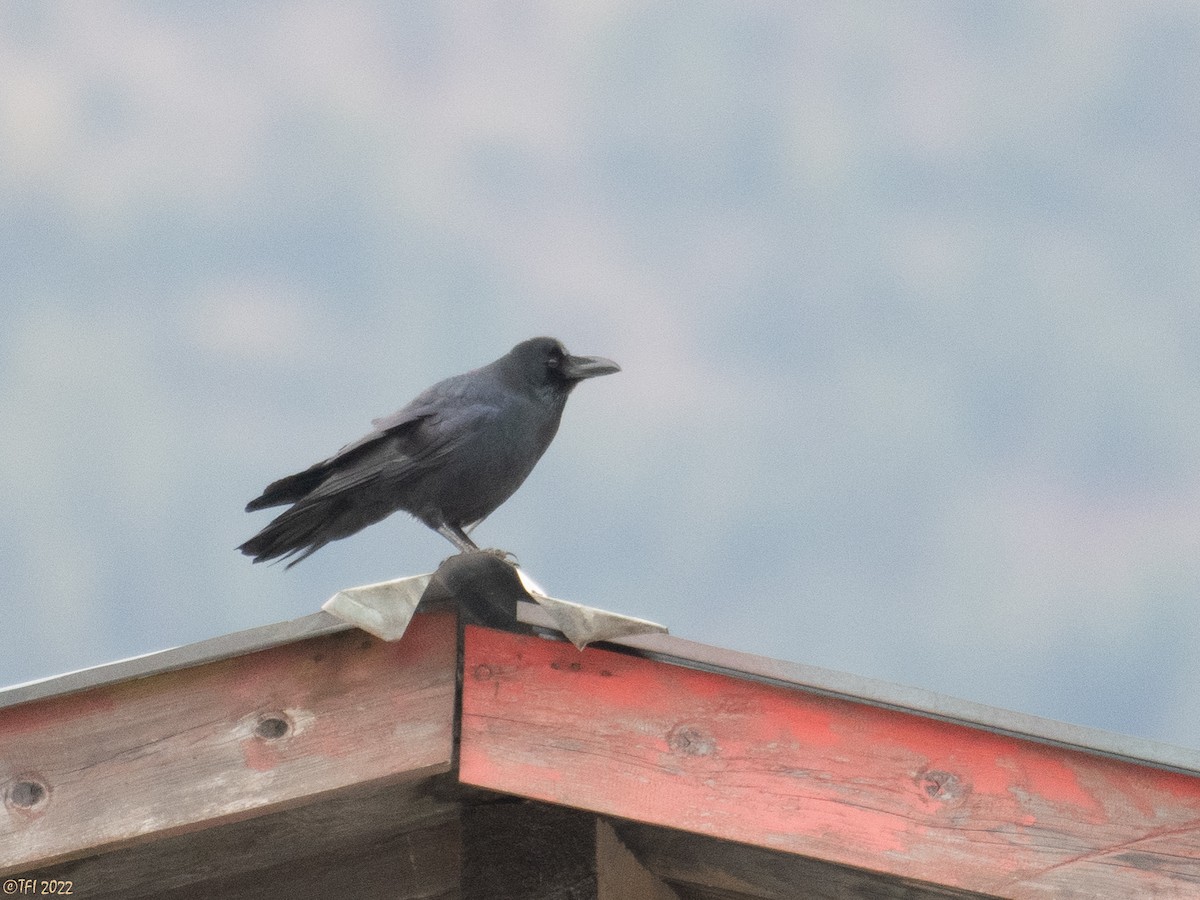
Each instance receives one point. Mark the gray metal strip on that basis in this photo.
(228, 645)
(858, 689)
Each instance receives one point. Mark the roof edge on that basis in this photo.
(667, 649)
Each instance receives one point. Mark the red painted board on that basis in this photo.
(782, 768)
(224, 740)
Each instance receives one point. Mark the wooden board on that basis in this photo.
(705, 868)
(620, 875)
(879, 789)
(294, 849)
(222, 741)
(517, 850)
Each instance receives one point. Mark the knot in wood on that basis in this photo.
(273, 726)
(944, 787)
(687, 740)
(27, 794)
(482, 672)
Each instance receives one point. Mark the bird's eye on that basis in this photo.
(554, 361)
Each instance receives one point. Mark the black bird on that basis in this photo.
(449, 458)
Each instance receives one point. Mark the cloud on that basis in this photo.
(903, 296)
(252, 319)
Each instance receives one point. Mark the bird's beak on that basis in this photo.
(578, 368)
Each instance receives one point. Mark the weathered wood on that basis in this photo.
(703, 867)
(516, 850)
(223, 741)
(292, 839)
(414, 865)
(857, 689)
(859, 785)
(223, 647)
(619, 874)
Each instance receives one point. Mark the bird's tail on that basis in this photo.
(303, 529)
(290, 489)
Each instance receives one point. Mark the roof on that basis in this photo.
(310, 750)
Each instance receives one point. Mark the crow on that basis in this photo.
(449, 458)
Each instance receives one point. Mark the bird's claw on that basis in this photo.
(503, 556)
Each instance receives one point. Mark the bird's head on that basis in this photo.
(544, 362)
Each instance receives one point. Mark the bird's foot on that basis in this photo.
(504, 556)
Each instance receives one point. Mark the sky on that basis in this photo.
(904, 295)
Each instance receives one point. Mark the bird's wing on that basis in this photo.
(293, 488)
(442, 415)
(403, 451)
(414, 412)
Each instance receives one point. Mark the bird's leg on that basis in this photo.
(457, 537)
